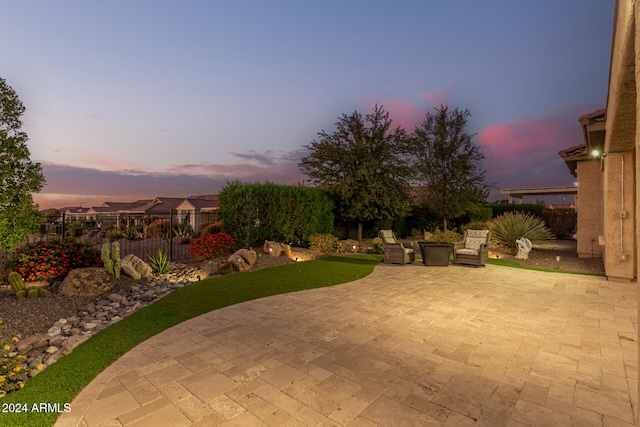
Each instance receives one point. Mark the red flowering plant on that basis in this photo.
(52, 259)
(211, 246)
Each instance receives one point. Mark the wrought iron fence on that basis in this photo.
(139, 234)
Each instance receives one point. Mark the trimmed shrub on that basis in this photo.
(253, 213)
(114, 233)
(378, 248)
(212, 228)
(159, 229)
(325, 243)
(509, 227)
(211, 246)
(52, 259)
(448, 236)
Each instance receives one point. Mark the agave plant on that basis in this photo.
(160, 264)
(511, 226)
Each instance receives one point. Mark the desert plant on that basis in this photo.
(133, 233)
(17, 284)
(22, 291)
(160, 264)
(110, 255)
(181, 230)
(511, 226)
(325, 243)
(224, 267)
(114, 233)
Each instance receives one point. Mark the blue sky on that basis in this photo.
(129, 100)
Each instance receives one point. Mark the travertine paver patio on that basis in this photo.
(407, 345)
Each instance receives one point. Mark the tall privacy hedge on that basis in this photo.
(253, 213)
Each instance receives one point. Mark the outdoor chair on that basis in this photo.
(394, 251)
(473, 249)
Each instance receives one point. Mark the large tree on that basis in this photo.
(19, 176)
(448, 163)
(362, 163)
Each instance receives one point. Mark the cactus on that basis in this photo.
(34, 292)
(115, 249)
(16, 282)
(110, 255)
(18, 286)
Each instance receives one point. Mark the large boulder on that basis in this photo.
(243, 259)
(87, 282)
(135, 268)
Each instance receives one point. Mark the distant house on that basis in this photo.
(75, 214)
(199, 211)
(196, 211)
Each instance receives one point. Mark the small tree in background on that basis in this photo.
(448, 163)
(363, 165)
(19, 176)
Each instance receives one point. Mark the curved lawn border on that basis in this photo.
(62, 381)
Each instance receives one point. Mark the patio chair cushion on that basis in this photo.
(467, 251)
(474, 243)
(388, 236)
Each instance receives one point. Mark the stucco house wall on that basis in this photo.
(590, 208)
(619, 216)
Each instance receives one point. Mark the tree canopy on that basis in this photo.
(19, 176)
(448, 163)
(363, 164)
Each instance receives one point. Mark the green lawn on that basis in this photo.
(514, 264)
(61, 382)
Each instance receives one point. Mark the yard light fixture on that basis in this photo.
(596, 153)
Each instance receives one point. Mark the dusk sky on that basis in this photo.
(129, 100)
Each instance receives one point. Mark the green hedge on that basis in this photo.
(253, 213)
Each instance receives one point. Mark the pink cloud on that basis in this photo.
(524, 153)
(409, 112)
(405, 113)
(436, 97)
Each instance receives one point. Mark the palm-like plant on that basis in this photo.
(511, 226)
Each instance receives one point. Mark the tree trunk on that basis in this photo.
(360, 233)
(444, 224)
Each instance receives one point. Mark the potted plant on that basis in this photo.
(437, 248)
